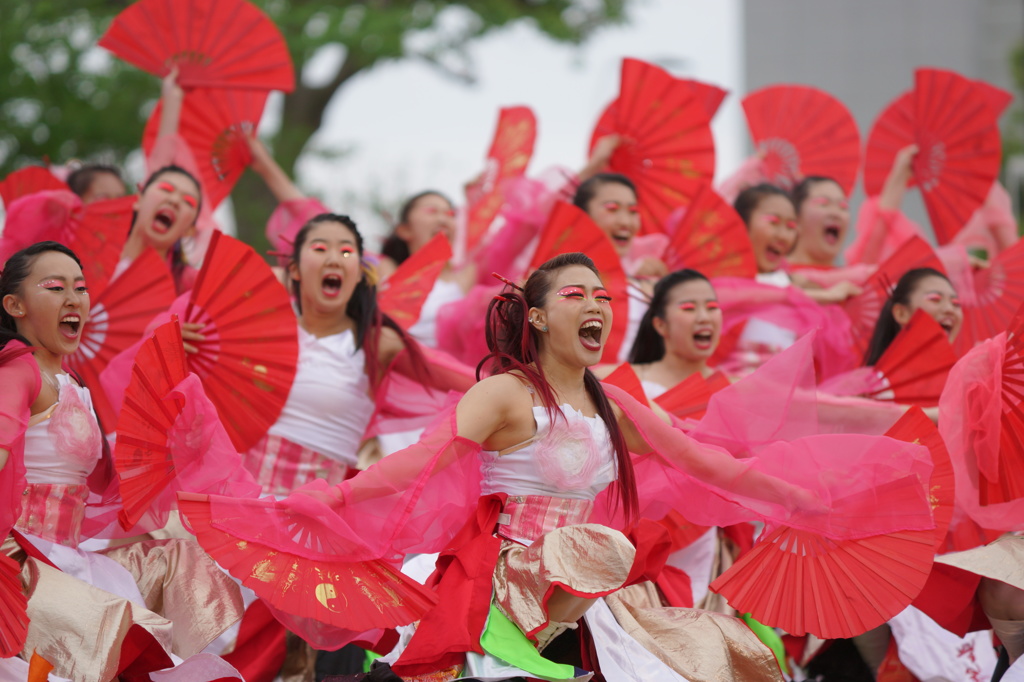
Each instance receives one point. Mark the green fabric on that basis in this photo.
(770, 638)
(368, 661)
(504, 640)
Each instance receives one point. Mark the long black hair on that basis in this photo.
(588, 188)
(887, 328)
(749, 199)
(514, 345)
(649, 345)
(362, 306)
(396, 248)
(16, 269)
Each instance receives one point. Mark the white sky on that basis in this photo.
(410, 128)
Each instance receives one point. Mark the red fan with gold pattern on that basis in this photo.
(953, 122)
(247, 361)
(991, 302)
(625, 378)
(689, 398)
(214, 123)
(403, 294)
(915, 366)
(667, 147)
(803, 582)
(800, 131)
(570, 229)
(865, 308)
(711, 238)
(142, 454)
(117, 319)
(223, 44)
(357, 596)
(28, 180)
(510, 152)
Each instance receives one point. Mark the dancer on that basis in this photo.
(94, 616)
(96, 182)
(542, 432)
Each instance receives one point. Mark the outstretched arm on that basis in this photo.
(172, 97)
(278, 182)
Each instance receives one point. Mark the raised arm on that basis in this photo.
(278, 182)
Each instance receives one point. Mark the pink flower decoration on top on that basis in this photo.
(567, 455)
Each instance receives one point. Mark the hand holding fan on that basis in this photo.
(248, 358)
(667, 147)
(801, 131)
(510, 151)
(803, 582)
(570, 229)
(28, 180)
(118, 318)
(991, 300)
(711, 238)
(402, 295)
(223, 44)
(214, 123)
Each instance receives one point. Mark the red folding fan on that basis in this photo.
(247, 362)
(403, 294)
(357, 596)
(915, 366)
(142, 454)
(990, 304)
(689, 398)
(711, 238)
(803, 582)
(13, 606)
(997, 98)
(510, 151)
(801, 131)
(953, 121)
(214, 124)
(569, 229)
(1008, 485)
(625, 378)
(667, 146)
(28, 180)
(118, 318)
(865, 308)
(223, 44)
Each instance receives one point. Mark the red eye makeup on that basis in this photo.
(190, 200)
(347, 251)
(602, 296)
(688, 307)
(165, 186)
(713, 305)
(570, 292)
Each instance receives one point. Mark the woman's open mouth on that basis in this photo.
(163, 220)
(70, 325)
(702, 340)
(832, 234)
(331, 285)
(590, 334)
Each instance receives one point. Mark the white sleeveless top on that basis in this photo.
(572, 459)
(652, 389)
(329, 405)
(443, 293)
(64, 447)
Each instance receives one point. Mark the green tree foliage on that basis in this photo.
(61, 97)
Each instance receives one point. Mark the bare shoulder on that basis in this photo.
(496, 411)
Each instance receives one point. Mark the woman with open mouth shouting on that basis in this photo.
(86, 610)
(522, 484)
(345, 346)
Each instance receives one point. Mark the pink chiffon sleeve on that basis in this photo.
(19, 375)
(413, 501)
(461, 325)
(970, 422)
(879, 233)
(751, 172)
(36, 217)
(827, 277)
(860, 485)
(286, 221)
(992, 227)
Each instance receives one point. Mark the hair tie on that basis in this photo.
(507, 281)
(369, 272)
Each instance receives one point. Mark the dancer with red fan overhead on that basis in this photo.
(96, 182)
(53, 446)
(541, 440)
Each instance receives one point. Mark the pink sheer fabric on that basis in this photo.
(971, 409)
(286, 221)
(205, 461)
(878, 233)
(19, 375)
(790, 308)
(751, 172)
(37, 217)
(826, 277)
(992, 227)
